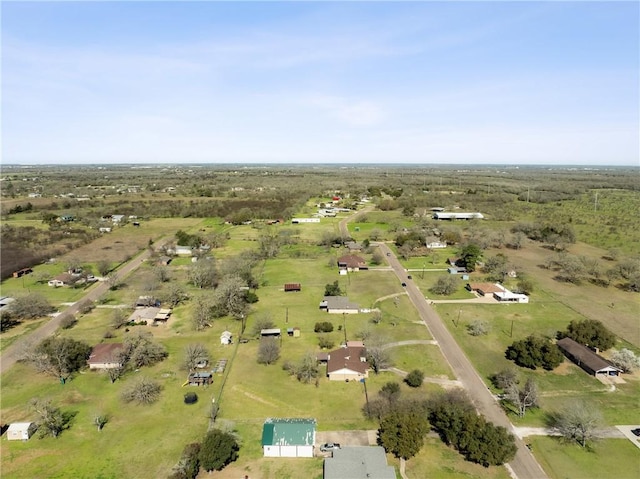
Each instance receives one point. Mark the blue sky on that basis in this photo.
(305, 82)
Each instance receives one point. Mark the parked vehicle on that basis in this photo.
(329, 446)
(636, 431)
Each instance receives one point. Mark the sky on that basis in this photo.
(473, 82)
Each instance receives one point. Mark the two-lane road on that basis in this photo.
(524, 465)
(13, 352)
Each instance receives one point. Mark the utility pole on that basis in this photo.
(511, 335)
(286, 319)
(528, 191)
(344, 328)
(366, 396)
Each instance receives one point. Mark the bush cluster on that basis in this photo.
(323, 327)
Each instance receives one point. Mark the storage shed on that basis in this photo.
(21, 431)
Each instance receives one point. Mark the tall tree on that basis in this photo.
(268, 351)
(589, 332)
(218, 449)
(195, 353)
(204, 273)
(230, 298)
(470, 255)
(60, 356)
(578, 421)
(402, 432)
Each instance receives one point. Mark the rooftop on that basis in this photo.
(358, 463)
(288, 432)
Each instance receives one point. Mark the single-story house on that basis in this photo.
(586, 358)
(22, 272)
(348, 363)
(104, 229)
(338, 305)
(485, 288)
(20, 431)
(439, 215)
(117, 218)
(358, 462)
(105, 356)
(436, 245)
(292, 287)
(352, 262)
(226, 337)
(144, 314)
(289, 437)
(507, 296)
(62, 279)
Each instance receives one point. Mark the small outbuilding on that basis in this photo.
(270, 333)
(21, 431)
(200, 378)
(226, 337)
(289, 437)
(22, 272)
(288, 287)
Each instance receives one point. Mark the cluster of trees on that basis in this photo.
(556, 235)
(404, 423)
(218, 449)
(521, 398)
(533, 352)
(28, 306)
(305, 370)
(589, 332)
(445, 285)
(333, 289)
(454, 418)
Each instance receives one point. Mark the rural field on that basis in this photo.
(252, 245)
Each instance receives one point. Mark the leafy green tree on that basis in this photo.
(589, 332)
(60, 357)
(534, 352)
(333, 289)
(470, 255)
(402, 432)
(218, 449)
(415, 378)
(390, 392)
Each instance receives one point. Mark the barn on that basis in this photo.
(288, 437)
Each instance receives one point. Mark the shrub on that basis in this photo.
(141, 391)
(478, 328)
(217, 450)
(323, 327)
(535, 352)
(414, 378)
(68, 321)
(86, 306)
(445, 285)
(325, 342)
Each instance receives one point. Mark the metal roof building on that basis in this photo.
(288, 437)
(358, 463)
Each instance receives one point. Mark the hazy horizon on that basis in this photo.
(408, 83)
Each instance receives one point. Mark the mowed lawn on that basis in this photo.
(604, 458)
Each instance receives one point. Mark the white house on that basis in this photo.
(104, 229)
(507, 296)
(21, 431)
(457, 216)
(436, 245)
(183, 250)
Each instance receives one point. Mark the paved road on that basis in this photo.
(524, 465)
(13, 353)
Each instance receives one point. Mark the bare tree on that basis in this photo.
(51, 421)
(230, 297)
(104, 266)
(524, 398)
(268, 351)
(377, 356)
(162, 273)
(194, 354)
(204, 273)
(143, 391)
(174, 294)
(202, 312)
(579, 421)
(626, 360)
(113, 280)
(140, 350)
(118, 318)
(478, 328)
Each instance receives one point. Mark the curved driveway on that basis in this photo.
(524, 465)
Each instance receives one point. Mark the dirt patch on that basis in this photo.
(564, 369)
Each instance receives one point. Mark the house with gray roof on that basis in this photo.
(358, 462)
(288, 437)
(338, 305)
